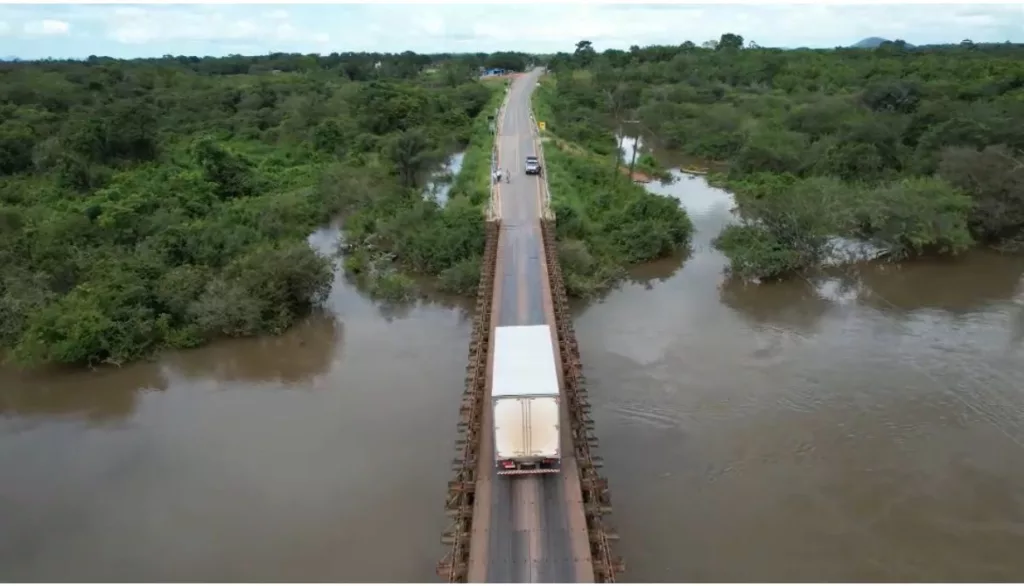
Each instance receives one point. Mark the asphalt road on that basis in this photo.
(526, 528)
(522, 286)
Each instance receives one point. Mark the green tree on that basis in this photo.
(411, 153)
(229, 172)
(729, 42)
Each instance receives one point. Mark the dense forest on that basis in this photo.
(916, 150)
(161, 203)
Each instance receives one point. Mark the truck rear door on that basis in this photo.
(511, 439)
(526, 428)
(543, 430)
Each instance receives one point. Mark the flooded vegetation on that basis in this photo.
(440, 185)
(173, 213)
(308, 456)
(866, 145)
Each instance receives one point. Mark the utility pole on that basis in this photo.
(632, 161)
(641, 127)
(617, 154)
(613, 105)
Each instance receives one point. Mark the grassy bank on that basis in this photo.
(604, 221)
(392, 239)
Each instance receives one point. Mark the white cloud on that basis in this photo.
(557, 27)
(47, 27)
(219, 29)
(139, 26)
(4, 27)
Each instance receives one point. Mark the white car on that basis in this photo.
(532, 165)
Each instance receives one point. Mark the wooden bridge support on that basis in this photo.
(461, 490)
(596, 497)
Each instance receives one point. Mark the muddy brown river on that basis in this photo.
(867, 425)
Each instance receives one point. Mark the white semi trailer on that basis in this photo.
(525, 399)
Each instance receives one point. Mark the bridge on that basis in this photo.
(537, 527)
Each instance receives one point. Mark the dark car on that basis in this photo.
(532, 165)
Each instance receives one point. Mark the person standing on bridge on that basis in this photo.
(508, 176)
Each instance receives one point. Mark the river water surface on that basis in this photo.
(855, 427)
(869, 427)
(318, 455)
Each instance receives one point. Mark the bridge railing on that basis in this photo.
(454, 566)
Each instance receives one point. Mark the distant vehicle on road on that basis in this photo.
(532, 165)
(525, 398)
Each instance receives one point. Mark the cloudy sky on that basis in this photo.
(37, 31)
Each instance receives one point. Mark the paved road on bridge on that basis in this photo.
(525, 528)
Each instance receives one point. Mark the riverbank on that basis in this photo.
(639, 162)
(789, 225)
(605, 222)
(393, 246)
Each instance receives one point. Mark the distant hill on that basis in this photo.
(872, 42)
(869, 43)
